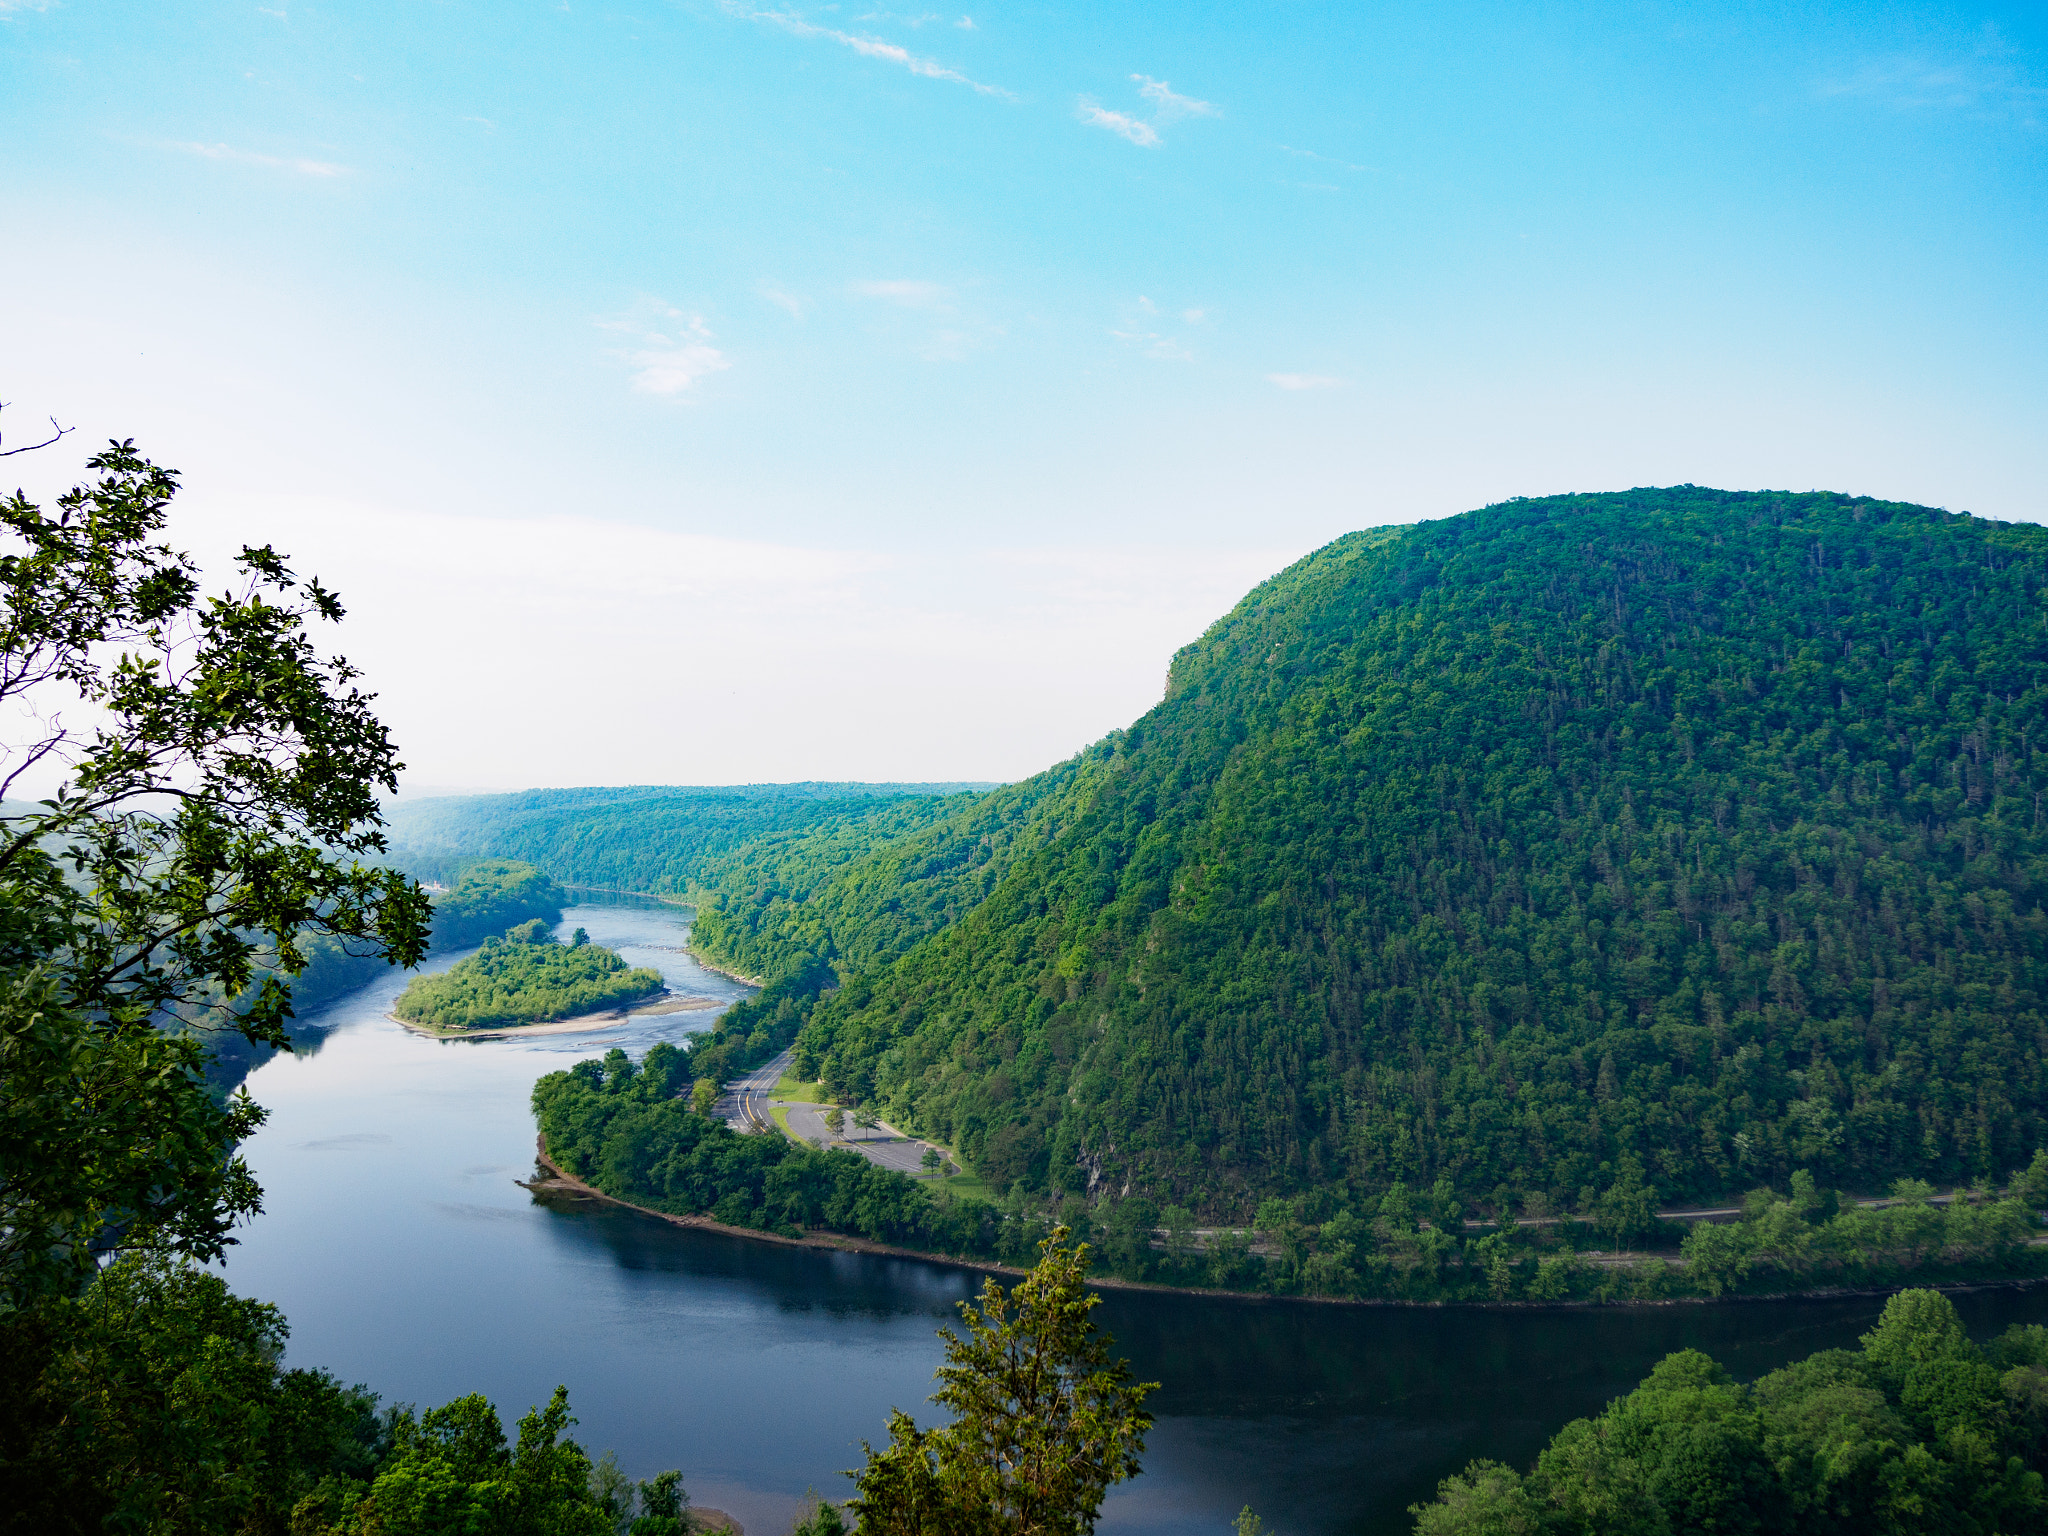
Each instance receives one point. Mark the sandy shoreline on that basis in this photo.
(575, 1024)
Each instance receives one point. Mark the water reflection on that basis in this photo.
(405, 1256)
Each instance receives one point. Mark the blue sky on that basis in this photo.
(825, 391)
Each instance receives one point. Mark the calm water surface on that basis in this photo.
(406, 1257)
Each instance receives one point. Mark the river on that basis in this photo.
(406, 1257)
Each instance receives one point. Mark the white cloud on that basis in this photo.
(1152, 344)
(867, 47)
(672, 370)
(1143, 328)
(481, 121)
(789, 303)
(945, 347)
(228, 153)
(1304, 380)
(1140, 133)
(1168, 104)
(1986, 85)
(670, 359)
(1309, 154)
(966, 24)
(907, 293)
(957, 334)
(9, 8)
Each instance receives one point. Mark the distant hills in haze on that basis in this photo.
(1677, 835)
(660, 839)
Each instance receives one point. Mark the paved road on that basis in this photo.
(884, 1144)
(745, 1107)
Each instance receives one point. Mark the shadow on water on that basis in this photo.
(791, 1280)
(404, 1254)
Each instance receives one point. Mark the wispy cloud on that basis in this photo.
(907, 293)
(671, 350)
(867, 47)
(229, 154)
(1990, 81)
(11, 8)
(946, 330)
(1309, 154)
(1143, 329)
(1305, 380)
(1916, 85)
(788, 303)
(945, 346)
(1168, 104)
(482, 122)
(1152, 344)
(1140, 133)
(966, 24)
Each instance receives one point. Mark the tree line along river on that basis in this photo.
(406, 1256)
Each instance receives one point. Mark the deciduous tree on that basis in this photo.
(1045, 1419)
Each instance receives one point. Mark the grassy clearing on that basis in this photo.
(968, 1184)
(791, 1090)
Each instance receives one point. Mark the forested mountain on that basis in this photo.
(1679, 831)
(859, 894)
(655, 838)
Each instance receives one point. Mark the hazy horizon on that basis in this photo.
(713, 394)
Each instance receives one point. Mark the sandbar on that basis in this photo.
(575, 1024)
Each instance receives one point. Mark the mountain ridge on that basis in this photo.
(1473, 849)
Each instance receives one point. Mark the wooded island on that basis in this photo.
(526, 977)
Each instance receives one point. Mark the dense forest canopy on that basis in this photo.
(1920, 1429)
(666, 840)
(526, 978)
(1686, 829)
(490, 896)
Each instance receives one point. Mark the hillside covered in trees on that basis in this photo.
(1680, 831)
(657, 839)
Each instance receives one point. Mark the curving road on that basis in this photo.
(746, 1106)
(745, 1102)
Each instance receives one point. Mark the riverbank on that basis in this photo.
(712, 965)
(575, 1024)
(563, 1183)
(560, 1181)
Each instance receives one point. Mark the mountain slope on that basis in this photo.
(858, 896)
(1681, 828)
(655, 838)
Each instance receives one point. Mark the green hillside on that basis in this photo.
(1680, 828)
(859, 894)
(653, 838)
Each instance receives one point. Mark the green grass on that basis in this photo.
(968, 1184)
(792, 1090)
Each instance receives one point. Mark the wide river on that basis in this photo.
(406, 1257)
